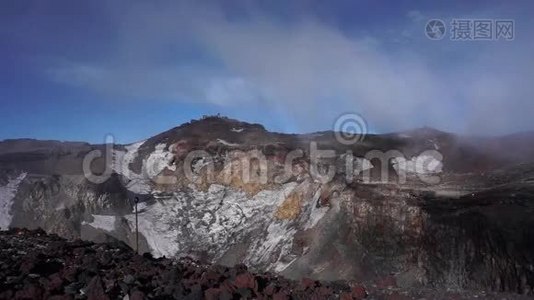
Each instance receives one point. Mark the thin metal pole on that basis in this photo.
(136, 227)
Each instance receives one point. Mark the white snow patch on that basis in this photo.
(279, 236)
(422, 164)
(316, 213)
(139, 186)
(279, 233)
(121, 164)
(104, 222)
(158, 161)
(140, 206)
(123, 159)
(156, 224)
(237, 129)
(362, 164)
(194, 221)
(227, 143)
(7, 193)
(281, 266)
(199, 164)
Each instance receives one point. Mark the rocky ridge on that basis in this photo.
(34, 265)
(470, 230)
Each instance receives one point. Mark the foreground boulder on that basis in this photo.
(34, 265)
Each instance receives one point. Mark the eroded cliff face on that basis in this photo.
(470, 230)
(492, 237)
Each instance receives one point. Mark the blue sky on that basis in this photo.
(77, 70)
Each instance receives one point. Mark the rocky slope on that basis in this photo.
(462, 222)
(37, 266)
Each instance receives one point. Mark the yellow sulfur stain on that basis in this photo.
(290, 208)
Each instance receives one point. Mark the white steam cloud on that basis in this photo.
(312, 71)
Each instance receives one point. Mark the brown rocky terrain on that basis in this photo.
(468, 231)
(34, 265)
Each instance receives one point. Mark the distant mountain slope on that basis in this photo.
(283, 217)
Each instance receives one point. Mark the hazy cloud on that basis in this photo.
(310, 70)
